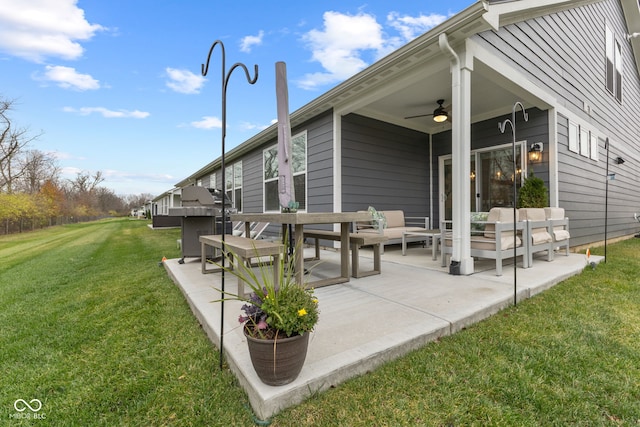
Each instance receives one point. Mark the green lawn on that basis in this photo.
(92, 327)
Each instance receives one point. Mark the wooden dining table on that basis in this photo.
(298, 220)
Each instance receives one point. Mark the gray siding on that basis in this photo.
(384, 166)
(319, 163)
(565, 53)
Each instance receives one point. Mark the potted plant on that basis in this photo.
(533, 193)
(277, 317)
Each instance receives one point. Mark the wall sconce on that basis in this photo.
(472, 175)
(619, 160)
(535, 152)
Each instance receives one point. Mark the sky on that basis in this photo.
(116, 86)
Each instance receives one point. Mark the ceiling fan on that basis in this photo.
(440, 114)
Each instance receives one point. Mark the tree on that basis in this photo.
(52, 198)
(37, 168)
(12, 142)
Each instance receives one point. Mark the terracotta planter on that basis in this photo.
(278, 362)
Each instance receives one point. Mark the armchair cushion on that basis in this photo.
(559, 231)
(539, 235)
(499, 215)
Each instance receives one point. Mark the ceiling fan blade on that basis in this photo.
(419, 115)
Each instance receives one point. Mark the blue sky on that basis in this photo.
(116, 86)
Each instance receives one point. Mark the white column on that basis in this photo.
(461, 68)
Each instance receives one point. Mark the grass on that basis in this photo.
(92, 327)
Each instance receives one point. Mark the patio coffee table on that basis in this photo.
(433, 234)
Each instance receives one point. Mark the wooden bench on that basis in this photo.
(356, 240)
(245, 248)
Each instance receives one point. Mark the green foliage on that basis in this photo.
(272, 308)
(293, 311)
(533, 193)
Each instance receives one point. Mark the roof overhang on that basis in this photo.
(505, 12)
(632, 15)
(394, 73)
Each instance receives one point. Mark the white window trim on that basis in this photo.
(305, 172)
(230, 175)
(613, 53)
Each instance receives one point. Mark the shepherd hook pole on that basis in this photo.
(502, 127)
(225, 82)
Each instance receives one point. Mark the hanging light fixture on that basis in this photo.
(440, 114)
(535, 152)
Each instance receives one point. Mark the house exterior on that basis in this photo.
(160, 205)
(571, 65)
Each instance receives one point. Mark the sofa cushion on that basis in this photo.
(394, 218)
(487, 244)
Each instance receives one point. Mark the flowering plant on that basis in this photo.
(274, 310)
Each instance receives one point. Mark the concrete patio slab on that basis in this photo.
(415, 301)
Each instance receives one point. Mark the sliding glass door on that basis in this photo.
(491, 179)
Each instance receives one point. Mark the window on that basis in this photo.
(574, 143)
(614, 64)
(594, 146)
(584, 141)
(299, 170)
(233, 186)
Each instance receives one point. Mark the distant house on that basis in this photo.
(159, 208)
(574, 66)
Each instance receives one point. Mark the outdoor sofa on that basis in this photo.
(391, 224)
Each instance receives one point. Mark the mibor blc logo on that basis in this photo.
(27, 410)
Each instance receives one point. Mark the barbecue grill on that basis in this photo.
(201, 214)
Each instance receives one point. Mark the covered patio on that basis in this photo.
(369, 321)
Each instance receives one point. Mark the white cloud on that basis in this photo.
(248, 42)
(35, 29)
(124, 176)
(253, 126)
(411, 27)
(184, 81)
(70, 171)
(348, 43)
(69, 78)
(208, 122)
(339, 47)
(64, 156)
(85, 111)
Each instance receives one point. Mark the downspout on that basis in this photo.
(430, 225)
(461, 261)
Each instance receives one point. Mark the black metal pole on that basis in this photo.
(502, 127)
(606, 202)
(225, 82)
